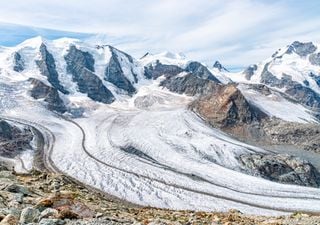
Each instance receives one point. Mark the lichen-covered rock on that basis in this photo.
(81, 66)
(281, 168)
(9, 220)
(29, 215)
(49, 94)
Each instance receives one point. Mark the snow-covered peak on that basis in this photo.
(167, 58)
(219, 66)
(34, 42)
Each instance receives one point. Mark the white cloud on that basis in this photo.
(236, 32)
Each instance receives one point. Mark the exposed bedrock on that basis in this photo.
(226, 107)
(18, 63)
(159, 69)
(302, 49)
(81, 66)
(295, 90)
(13, 139)
(249, 71)
(115, 75)
(281, 168)
(200, 71)
(49, 94)
(47, 68)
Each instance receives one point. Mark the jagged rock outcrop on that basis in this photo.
(115, 74)
(226, 107)
(5, 130)
(219, 66)
(249, 71)
(307, 136)
(281, 168)
(47, 68)
(189, 84)
(159, 69)
(13, 139)
(50, 95)
(297, 91)
(302, 49)
(81, 66)
(18, 63)
(315, 59)
(200, 71)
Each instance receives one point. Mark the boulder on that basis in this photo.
(29, 215)
(5, 130)
(9, 220)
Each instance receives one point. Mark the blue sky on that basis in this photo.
(236, 32)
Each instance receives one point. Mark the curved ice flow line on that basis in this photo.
(182, 187)
(49, 144)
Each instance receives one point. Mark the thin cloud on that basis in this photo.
(237, 33)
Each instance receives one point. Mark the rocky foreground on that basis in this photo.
(48, 199)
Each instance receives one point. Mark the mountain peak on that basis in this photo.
(219, 66)
(34, 42)
(301, 48)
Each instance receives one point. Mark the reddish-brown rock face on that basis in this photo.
(226, 107)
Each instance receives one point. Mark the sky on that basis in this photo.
(235, 32)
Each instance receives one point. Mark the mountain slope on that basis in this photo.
(124, 126)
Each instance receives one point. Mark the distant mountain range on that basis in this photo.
(169, 131)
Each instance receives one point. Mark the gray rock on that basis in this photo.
(81, 66)
(5, 130)
(302, 49)
(219, 66)
(29, 215)
(9, 220)
(189, 84)
(281, 168)
(49, 94)
(15, 188)
(315, 77)
(226, 107)
(48, 213)
(201, 71)
(295, 90)
(47, 68)
(52, 222)
(249, 71)
(115, 75)
(159, 69)
(304, 95)
(315, 59)
(18, 63)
